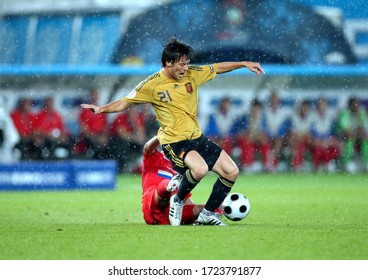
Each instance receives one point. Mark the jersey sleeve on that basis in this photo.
(203, 74)
(138, 96)
(143, 92)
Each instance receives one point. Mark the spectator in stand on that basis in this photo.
(300, 138)
(277, 122)
(94, 131)
(23, 118)
(252, 138)
(50, 133)
(9, 135)
(352, 130)
(220, 125)
(326, 146)
(128, 135)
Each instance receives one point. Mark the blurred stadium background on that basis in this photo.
(309, 49)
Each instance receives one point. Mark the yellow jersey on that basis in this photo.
(175, 102)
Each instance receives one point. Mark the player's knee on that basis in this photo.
(234, 173)
(199, 172)
(231, 173)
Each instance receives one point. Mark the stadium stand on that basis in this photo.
(59, 39)
(65, 48)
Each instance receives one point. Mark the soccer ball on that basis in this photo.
(236, 207)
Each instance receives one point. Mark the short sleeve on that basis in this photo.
(203, 74)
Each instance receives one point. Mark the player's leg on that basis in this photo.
(348, 150)
(197, 169)
(332, 153)
(221, 163)
(187, 162)
(300, 153)
(265, 151)
(162, 195)
(277, 146)
(364, 151)
(248, 151)
(191, 166)
(174, 183)
(317, 155)
(150, 202)
(228, 172)
(190, 213)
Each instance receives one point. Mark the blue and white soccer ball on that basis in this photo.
(236, 207)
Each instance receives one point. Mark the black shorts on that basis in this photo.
(176, 152)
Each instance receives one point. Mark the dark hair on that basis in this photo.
(305, 102)
(352, 100)
(174, 50)
(256, 102)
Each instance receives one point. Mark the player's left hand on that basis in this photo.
(255, 67)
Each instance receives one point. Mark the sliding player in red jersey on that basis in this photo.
(159, 183)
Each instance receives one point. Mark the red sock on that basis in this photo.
(299, 156)
(265, 150)
(161, 189)
(247, 152)
(317, 155)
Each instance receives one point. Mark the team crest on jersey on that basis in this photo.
(189, 87)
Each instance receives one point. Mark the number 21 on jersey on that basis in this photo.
(164, 96)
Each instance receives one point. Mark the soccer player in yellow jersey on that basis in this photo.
(173, 93)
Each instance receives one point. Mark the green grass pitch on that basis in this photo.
(292, 217)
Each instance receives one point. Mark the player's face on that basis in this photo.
(256, 110)
(177, 69)
(304, 109)
(321, 105)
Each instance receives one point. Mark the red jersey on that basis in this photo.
(156, 173)
(156, 169)
(23, 122)
(47, 122)
(123, 121)
(94, 123)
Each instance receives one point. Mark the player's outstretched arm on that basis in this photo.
(223, 67)
(112, 107)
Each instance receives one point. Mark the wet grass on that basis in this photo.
(293, 217)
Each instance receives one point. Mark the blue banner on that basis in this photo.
(68, 175)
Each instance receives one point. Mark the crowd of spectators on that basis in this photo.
(269, 137)
(120, 139)
(36, 130)
(43, 134)
(308, 136)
